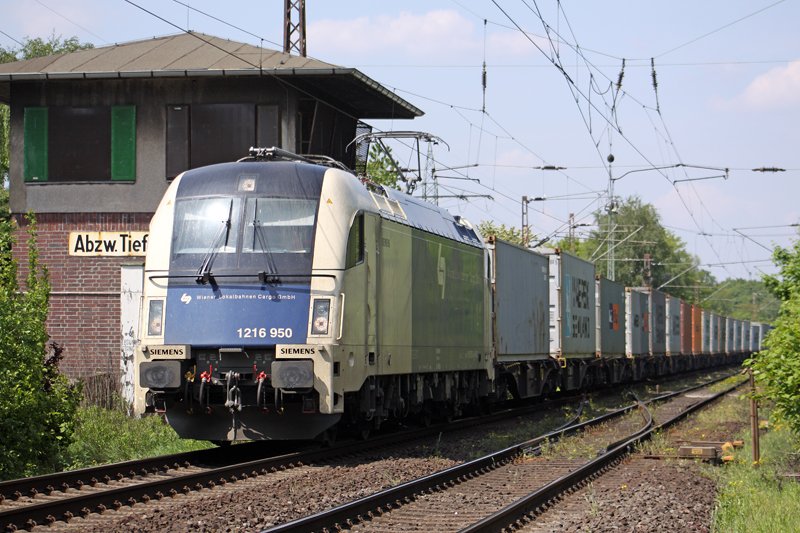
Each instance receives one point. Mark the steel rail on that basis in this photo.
(514, 512)
(356, 511)
(29, 515)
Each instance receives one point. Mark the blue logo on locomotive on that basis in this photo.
(236, 315)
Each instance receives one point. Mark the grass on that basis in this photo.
(759, 499)
(109, 435)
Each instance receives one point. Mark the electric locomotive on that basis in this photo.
(282, 297)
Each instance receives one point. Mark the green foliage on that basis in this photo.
(502, 232)
(109, 435)
(38, 47)
(759, 500)
(37, 404)
(777, 368)
(380, 166)
(745, 299)
(670, 263)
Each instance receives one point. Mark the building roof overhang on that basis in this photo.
(196, 55)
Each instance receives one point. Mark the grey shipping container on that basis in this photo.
(706, 347)
(572, 306)
(673, 307)
(737, 336)
(610, 297)
(730, 335)
(755, 336)
(686, 328)
(521, 303)
(657, 321)
(637, 338)
(714, 340)
(745, 336)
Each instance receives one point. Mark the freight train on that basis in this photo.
(285, 299)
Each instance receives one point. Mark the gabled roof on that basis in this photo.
(199, 55)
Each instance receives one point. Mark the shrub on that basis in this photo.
(109, 436)
(37, 404)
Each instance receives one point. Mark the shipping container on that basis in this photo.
(657, 320)
(572, 306)
(755, 337)
(714, 331)
(610, 298)
(745, 336)
(673, 307)
(706, 346)
(723, 334)
(521, 292)
(737, 336)
(730, 336)
(686, 328)
(637, 323)
(697, 330)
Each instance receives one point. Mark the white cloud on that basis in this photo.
(778, 88)
(435, 36)
(438, 33)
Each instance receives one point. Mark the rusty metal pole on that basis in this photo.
(754, 419)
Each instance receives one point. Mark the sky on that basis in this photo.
(726, 100)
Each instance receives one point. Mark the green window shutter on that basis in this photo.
(35, 144)
(123, 143)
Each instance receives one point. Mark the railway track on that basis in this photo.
(27, 503)
(502, 489)
(60, 497)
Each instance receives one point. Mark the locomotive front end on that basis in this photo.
(237, 322)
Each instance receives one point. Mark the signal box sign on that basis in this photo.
(108, 243)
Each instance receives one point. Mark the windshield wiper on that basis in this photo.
(204, 274)
(270, 274)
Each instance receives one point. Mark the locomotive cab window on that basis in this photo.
(206, 225)
(279, 225)
(355, 242)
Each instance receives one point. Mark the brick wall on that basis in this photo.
(85, 291)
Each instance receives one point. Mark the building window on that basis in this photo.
(205, 134)
(73, 144)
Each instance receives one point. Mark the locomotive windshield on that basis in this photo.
(205, 223)
(244, 219)
(279, 225)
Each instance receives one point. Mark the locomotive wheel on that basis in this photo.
(328, 437)
(363, 430)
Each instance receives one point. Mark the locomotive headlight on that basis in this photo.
(160, 375)
(320, 316)
(155, 318)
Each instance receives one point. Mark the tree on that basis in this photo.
(501, 231)
(777, 368)
(745, 299)
(645, 252)
(31, 48)
(380, 166)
